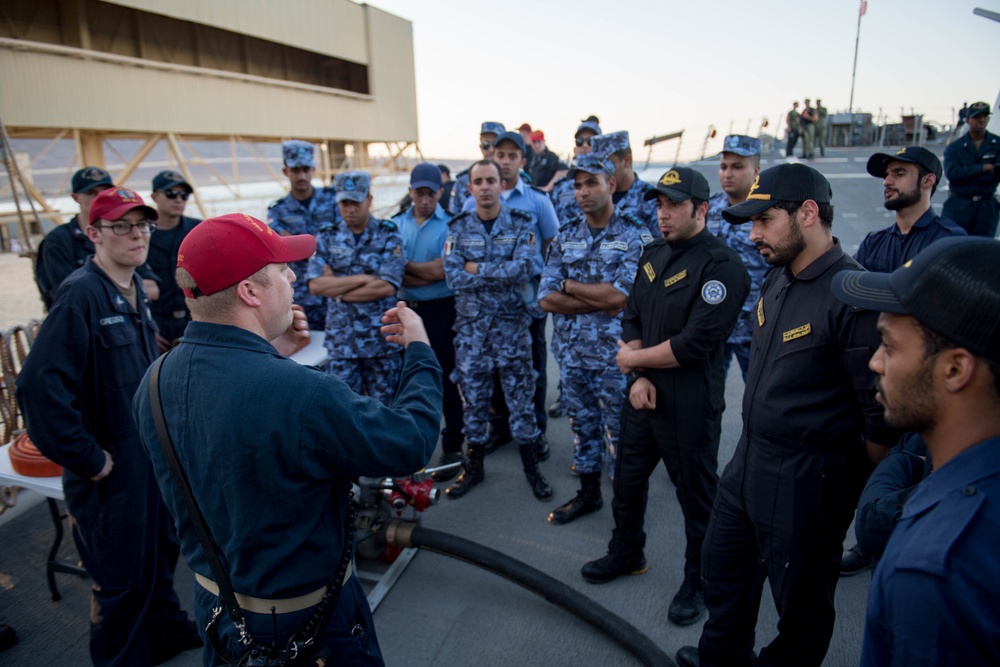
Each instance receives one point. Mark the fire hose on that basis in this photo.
(404, 534)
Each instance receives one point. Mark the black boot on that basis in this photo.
(688, 604)
(586, 501)
(472, 473)
(542, 449)
(529, 458)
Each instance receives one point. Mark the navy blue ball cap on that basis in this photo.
(88, 178)
(426, 175)
(511, 136)
(952, 287)
(785, 182)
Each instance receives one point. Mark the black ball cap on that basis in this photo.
(878, 164)
(681, 184)
(785, 182)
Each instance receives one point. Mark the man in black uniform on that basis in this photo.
(788, 495)
(75, 391)
(683, 305)
(170, 193)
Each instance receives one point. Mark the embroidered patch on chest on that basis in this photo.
(648, 270)
(797, 332)
(676, 278)
(614, 245)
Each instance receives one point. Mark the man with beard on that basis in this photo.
(910, 178)
(788, 495)
(682, 307)
(933, 598)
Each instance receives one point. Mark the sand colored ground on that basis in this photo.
(19, 299)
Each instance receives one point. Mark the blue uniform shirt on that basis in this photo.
(888, 249)
(963, 165)
(589, 340)
(536, 202)
(423, 243)
(288, 216)
(644, 209)
(352, 329)
(935, 596)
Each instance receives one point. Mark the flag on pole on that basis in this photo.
(864, 7)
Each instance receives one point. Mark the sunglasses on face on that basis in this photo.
(486, 145)
(583, 142)
(125, 228)
(174, 194)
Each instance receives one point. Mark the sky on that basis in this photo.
(657, 66)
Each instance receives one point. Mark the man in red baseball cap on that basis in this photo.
(270, 447)
(75, 391)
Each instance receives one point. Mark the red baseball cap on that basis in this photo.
(113, 203)
(537, 135)
(220, 252)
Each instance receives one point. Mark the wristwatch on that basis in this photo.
(635, 375)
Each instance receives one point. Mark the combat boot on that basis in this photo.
(529, 458)
(612, 566)
(586, 501)
(472, 473)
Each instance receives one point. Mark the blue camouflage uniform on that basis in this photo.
(289, 216)
(491, 325)
(357, 353)
(585, 345)
(632, 200)
(563, 198)
(737, 237)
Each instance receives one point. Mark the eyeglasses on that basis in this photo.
(583, 142)
(125, 229)
(174, 194)
(486, 145)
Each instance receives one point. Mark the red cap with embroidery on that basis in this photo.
(113, 203)
(222, 251)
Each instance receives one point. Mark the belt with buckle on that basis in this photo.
(282, 606)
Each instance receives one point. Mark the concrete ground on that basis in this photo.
(444, 612)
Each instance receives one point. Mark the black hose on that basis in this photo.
(405, 534)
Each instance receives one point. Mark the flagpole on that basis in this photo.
(854, 71)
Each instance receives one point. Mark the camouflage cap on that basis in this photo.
(606, 144)
(353, 185)
(741, 144)
(588, 125)
(88, 178)
(297, 153)
(591, 164)
(492, 127)
(978, 108)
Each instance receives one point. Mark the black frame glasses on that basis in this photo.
(125, 228)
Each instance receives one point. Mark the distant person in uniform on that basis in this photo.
(810, 417)
(587, 278)
(358, 266)
(546, 168)
(304, 210)
(170, 194)
(447, 183)
(489, 260)
(792, 129)
(683, 305)
(424, 228)
(807, 123)
(933, 597)
(75, 391)
(968, 164)
(630, 191)
(488, 133)
(739, 166)
(563, 193)
(821, 115)
(525, 131)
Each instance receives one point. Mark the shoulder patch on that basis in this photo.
(459, 217)
(540, 191)
(713, 292)
(388, 224)
(521, 213)
(632, 220)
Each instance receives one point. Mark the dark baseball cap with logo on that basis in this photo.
(977, 109)
(878, 164)
(88, 178)
(951, 287)
(165, 180)
(681, 184)
(785, 182)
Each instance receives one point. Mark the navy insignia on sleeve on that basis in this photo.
(713, 292)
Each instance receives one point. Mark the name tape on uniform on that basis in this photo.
(676, 278)
(797, 332)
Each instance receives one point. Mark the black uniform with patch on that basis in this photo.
(690, 293)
